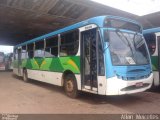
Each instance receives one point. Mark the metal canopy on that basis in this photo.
(21, 20)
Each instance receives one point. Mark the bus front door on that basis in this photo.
(89, 60)
(19, 61)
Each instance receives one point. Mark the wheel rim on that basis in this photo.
(69, 86)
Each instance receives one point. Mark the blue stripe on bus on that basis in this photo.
(96, 20)
(108, 63)
(152, 30)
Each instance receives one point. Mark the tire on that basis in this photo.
(70, 86)
(153, 87)
(25, 76)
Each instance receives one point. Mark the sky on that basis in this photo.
(137, 7)
(6, 49)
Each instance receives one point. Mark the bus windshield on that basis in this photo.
(127, 48)
(120, 24)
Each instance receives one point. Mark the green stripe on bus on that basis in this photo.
(154, 60)
(52, 64)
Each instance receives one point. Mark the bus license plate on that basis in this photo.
(140, 84)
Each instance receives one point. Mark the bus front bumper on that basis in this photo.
(115, 86)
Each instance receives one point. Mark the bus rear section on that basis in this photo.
(2, 61)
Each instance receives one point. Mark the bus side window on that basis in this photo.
(51, 49)
(15, 54)
(151, 42)
(30, 50)
(24, 52)
(69, 43)
(39, 49)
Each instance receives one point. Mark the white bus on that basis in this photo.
(105, 55)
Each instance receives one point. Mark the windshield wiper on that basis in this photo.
(128, 43)
(134, 37)
(120, 36)
(139, 42)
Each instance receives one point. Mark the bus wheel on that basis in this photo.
(25, 76)
(153, 87)
(70, 86)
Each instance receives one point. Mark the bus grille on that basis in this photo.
(134, 78)
(134, 87)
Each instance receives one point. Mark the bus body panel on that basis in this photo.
(116, 86)
(156, 78)
(52, 64)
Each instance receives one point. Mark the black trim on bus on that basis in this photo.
(134, 87)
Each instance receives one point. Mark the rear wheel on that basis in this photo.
(70, 86)
(25, 76)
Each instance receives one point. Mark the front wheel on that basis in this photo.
(70, 86)
(25, 76)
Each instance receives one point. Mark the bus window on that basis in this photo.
(24, 52)
(39, 49)
(151, 42)
(39, 45)
(30, 48)
(51, 49)
(101, 69)
(15, 54)
(69, 43)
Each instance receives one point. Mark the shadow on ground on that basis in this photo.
(41, 84)
(133, 102)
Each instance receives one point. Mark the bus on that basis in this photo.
(2, 61)
(104, 55)
(152, 37)
(9, 61)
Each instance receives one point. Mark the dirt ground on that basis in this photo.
(18, 97)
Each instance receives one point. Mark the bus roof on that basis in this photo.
(99, 20)
(152, 30)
